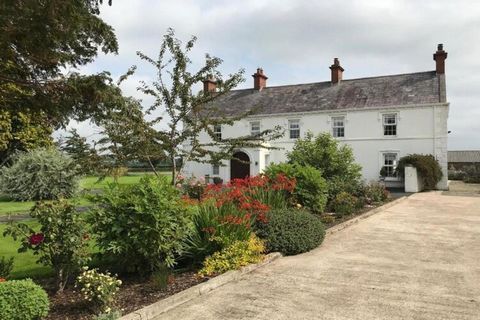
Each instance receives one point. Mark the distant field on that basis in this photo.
(87, 183)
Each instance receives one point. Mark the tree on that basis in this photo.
(334, 160)
(126, 136)
(189, 114)
(84, 155)
(21, 131)
(41, 39)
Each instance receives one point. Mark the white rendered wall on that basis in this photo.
(420, 129)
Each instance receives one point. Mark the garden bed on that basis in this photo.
(134, 294)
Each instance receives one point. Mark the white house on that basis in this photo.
(382, 118)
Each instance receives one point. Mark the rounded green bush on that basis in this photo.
(22, 300)
(344, 203)
(41, 174)
(291, 231)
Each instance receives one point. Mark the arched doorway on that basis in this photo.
(239, 169)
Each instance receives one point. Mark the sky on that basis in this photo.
(295, 41)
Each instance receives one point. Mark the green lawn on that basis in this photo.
(24, 264)
(88, 183)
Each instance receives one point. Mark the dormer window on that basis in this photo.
(390, 124)
(255, 128)
(217, 131)
(294, 128)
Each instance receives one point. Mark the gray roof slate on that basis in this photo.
(464, 156)
(363, 93)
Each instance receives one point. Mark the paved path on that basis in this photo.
(419, 259)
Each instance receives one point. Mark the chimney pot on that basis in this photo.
(440, 56)
(259, 79)
(337, 71)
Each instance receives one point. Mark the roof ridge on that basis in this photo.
(346, 80)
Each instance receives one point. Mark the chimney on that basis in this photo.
(259, 80)
(209, 85)
(337, 71)
(439, 58)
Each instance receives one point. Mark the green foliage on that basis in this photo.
(99, 289)
(212, 231)
(344, 203)
(291, 231)
(42, 39)
(84, 155)
(114, 315)
(233, 257)
(191, 186)
(375, 192)
(327, 219)
(472, 174)
(334, 160)
(144, 224)
(22, 131)
(22, 300)
(41, 174)
(6, 267)
(311, 188)
(427, 166)
(61, 242)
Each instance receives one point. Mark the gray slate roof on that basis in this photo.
(464, 156)
(384, 91)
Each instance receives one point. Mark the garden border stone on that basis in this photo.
(365, 215)
(154, 310)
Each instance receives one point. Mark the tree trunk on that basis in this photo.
(174, 171)
(60, 281)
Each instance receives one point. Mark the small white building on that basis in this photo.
(382, 118)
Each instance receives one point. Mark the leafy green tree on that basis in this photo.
(184, 114)
(21, 131)
(334, 160)
(82, 152)
(40, 39)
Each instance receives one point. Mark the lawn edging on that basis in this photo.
(154, 310)
(365, 215)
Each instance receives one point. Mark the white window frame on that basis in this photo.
(217, 131)
(335, 126)
(255, 124)
(294, 126)
(385, 124)
(215, 169)
(394, 176)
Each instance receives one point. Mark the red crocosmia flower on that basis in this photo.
(3, 279)
(36, 239)
(210, 230)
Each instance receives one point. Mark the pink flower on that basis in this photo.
(36, 239)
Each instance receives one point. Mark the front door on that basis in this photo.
(239, 169)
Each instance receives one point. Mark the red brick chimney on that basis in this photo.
(337, 71)
(259, 80)
(439, 58)
(209, 85)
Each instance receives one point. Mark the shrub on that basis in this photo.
(192, 187)
(61, 242)
(99, 289)
(6, 267)
(311, 188)
(472, 175)
(42, 174)
(143, 224)
(22, 300)
(344, 203)
(227, 213)
(233, 257)
(456, 175)
(114, 315)
(375, 192)
(291, 231)
(427, 166)
(334, 160)
(327, 219)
